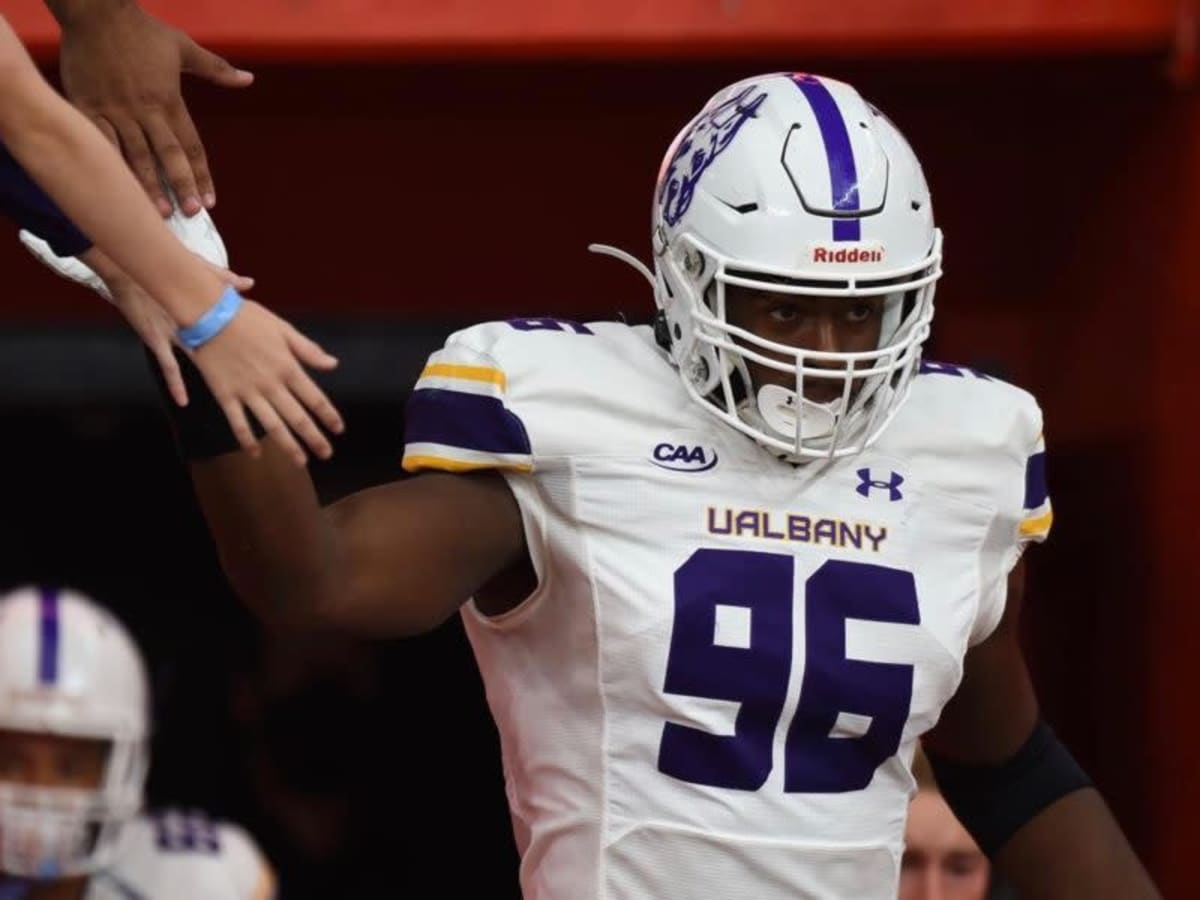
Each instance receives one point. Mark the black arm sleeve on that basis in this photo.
(993, 802)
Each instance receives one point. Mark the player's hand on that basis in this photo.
(121, 67)
(257, 363)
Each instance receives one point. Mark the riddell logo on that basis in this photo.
(858, 253)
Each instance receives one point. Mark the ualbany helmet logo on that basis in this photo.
(845, 253)
(697, 147)
(683, 457)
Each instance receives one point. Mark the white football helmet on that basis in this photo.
(795, 184)
(68, 667)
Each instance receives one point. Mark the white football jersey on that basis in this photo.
(177, 856)
(716, 689)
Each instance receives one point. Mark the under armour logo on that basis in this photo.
(892, 487)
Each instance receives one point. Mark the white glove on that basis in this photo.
(199, 234)
(68, 267)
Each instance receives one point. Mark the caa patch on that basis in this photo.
(684, 457)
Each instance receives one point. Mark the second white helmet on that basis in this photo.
(68, 668)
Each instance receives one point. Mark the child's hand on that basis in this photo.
(95, 271)
(257, 363)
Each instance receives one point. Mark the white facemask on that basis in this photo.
(52, 833)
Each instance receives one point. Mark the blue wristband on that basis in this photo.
(213, 322)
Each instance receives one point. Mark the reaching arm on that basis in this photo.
(1071, 848)
(389, 561)
(70, 159)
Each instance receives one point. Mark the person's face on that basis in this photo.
(826, 324)
(51, 761)
(941, 861)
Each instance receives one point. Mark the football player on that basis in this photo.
(74, 732)
(719, 574)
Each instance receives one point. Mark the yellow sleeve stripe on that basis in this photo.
(1038, 526)
(441, 463)
(467, 373)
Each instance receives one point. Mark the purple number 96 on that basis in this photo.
(732, 640)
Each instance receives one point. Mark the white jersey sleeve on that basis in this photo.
(527, 394)
(1036, 513)
(1018, 524)
(529, 398)
(250, 875)
(985, 439)
(460, 415)
(187, 856)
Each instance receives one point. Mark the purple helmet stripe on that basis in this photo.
(48, 635)
(843, 176)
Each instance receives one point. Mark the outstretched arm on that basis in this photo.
(1071, 847)
(393, 560)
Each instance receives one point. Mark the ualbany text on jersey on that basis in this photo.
(801, 529)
